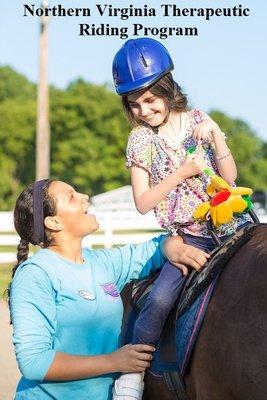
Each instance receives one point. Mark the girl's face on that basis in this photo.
(72, 210)
(148, 108)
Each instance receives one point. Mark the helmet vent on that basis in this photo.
(143, 60)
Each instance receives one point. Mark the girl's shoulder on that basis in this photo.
(141, 130)
(196, 115)
(139, 147)
(141, 135)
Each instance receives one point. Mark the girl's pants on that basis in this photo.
(149, 325)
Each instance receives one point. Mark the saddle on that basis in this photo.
(184, 321)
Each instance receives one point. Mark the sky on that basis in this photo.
(223, 68)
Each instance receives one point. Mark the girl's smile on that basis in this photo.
(148, 108)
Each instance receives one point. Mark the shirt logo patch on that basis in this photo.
(110, 288)
(85, 294)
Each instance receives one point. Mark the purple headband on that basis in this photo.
(38, 209)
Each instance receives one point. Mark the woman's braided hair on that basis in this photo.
(24, 224)
(23, 221)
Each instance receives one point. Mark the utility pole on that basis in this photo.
(43, 127)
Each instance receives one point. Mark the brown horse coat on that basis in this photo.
(229, 361)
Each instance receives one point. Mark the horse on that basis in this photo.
(229, 360)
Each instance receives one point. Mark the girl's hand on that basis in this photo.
(193, 165)
(183, 255)
(132, 357)
(206, 130)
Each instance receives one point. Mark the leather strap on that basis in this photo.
(175, 385)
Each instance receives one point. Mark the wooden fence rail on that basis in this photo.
(116, 228)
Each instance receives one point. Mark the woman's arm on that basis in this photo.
(129, 358)
(147, 198)
(142, 260)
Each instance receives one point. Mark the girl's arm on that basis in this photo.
(223, 157)
(147, 198)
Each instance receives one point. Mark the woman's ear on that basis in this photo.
(53, 223)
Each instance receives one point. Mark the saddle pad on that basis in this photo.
(187, 328)
(197, 282)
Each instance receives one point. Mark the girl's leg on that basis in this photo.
(149, 324)
(202, 243)
(148, 327)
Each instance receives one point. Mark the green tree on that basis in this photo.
(248, 150)
(14, 85)
(88, 138)
(17, 130)
(8, 184)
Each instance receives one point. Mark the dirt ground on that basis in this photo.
(9, 371)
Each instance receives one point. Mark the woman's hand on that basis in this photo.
(183, 255)
(193, 165)
(132, 358)
(206, 130)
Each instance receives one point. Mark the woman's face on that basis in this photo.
(72, 210)
(148, 108)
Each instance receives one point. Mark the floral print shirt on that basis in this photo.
(149, 150)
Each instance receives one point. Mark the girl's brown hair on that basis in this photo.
(165, 88)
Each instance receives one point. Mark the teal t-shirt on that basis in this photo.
(61, 306)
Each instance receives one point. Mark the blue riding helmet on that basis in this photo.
(138, 64)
